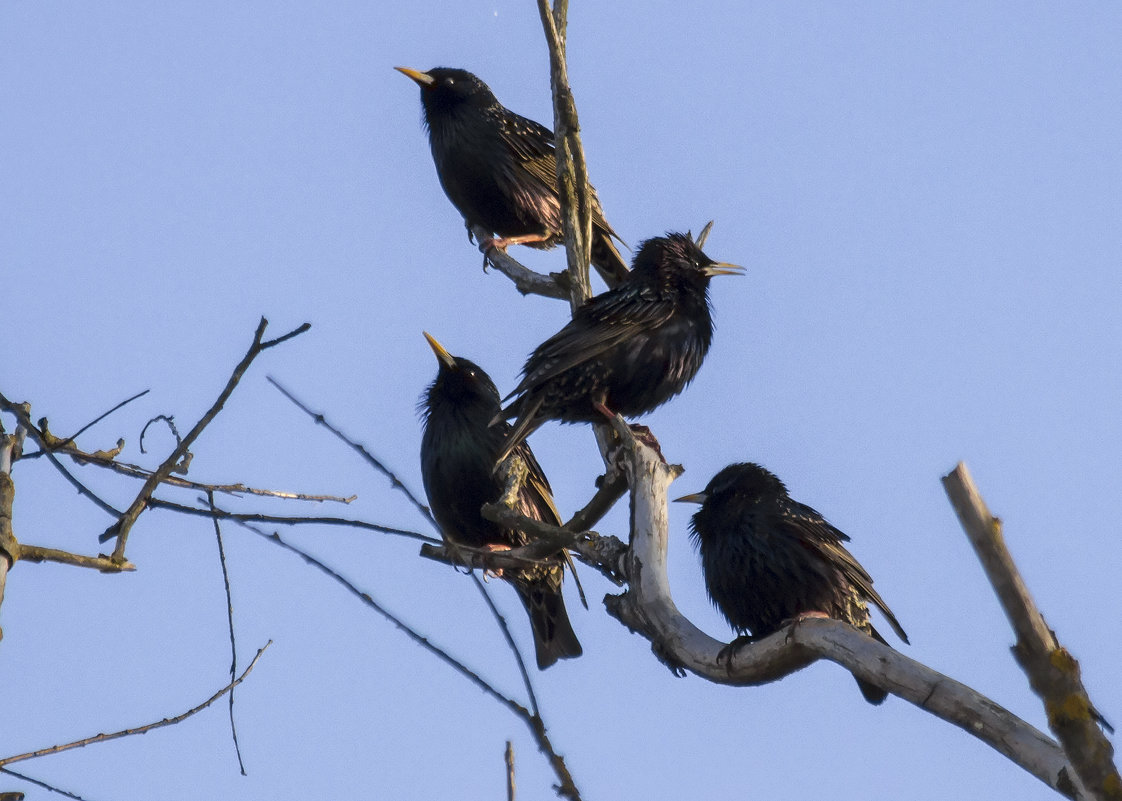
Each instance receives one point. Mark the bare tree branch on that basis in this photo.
(533, 720)
(31, 780)
(1052, 671)
(525, 280)
(230, 626)
(370, 458)
(100, 738)
(255, 517)
(648, 609)
(572, 170)
(64, 443)
(121, 528)
(10, 447)
(38, 553)
(22, 411)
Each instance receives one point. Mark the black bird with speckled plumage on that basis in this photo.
(499, 169)
(631, 348)
(768, 559)
(458, 454)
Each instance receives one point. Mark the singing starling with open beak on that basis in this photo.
(631, 348)
(768, 559)
(499, 168)
(458, 454)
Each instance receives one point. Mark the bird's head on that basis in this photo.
(746, 480)
(678, 254)
(446, 90)
(459, 383)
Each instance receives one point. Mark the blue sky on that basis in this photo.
(926, 197)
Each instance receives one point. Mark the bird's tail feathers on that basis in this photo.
(607, 260)
(554, 637)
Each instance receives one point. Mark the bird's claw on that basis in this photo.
(725, 655)
(791, 622)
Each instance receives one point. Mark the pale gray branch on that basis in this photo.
(525, 280)
(648, 609)
(1052, 671)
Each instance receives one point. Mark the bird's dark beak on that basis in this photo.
(697, 497)
(446, 359)
(722, 268)
(422, 78)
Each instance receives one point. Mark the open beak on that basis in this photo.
(697, 497)
(722, 268)
(422, 78)
(442, 354)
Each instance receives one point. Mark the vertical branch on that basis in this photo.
(509, 770)
(572, 169)
(230, 624)
(11, 446)
(1052, 671)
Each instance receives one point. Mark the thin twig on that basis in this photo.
(38, 553)
(70, 440)
(369, 601)
(509, 757)
(1052, 671)
(534, 722)
(613, 486)
(48, 787)
(372, 460)
(243, 517)
(23, 416)
(505, 628)
(237, 489)
(230, 626)
(525, 280)
(121, 528)
(170, 424)
(100, 738)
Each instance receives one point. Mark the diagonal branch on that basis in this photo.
(525, 280)
(532, 719)
(648, 609)
(371, 459)
(1052, 671)
(121, 528)
(100, 738)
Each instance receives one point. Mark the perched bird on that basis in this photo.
(631, 348)
(458, 452)
(499, 168)
(768, 559)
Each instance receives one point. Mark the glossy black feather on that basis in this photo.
(768, 558)
(631, 348)
(499, 168)
(458, 453)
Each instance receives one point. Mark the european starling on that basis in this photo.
(499, 168)
(631, 348)
(768, 559)
(458, 452)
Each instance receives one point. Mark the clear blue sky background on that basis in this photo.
(927, 197)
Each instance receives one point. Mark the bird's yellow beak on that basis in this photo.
(697, 497)
(423, 78)
(723, 268)
(446, 358)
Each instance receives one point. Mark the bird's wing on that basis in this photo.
(532, 147)
(811, 528)
(604, 322)
(536, 498)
